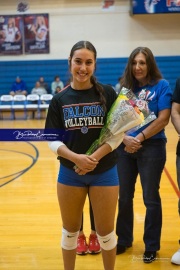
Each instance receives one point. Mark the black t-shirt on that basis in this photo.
(176, 93)
(80, 115)
(176, 98)
(178, 149)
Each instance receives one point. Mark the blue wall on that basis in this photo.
(108, 71)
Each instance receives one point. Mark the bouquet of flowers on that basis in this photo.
(142, 105)
(126, 113)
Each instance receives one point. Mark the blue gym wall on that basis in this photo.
(108, 70)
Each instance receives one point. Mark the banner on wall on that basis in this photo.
(11, 35)
(36, 33)
(106, 4)
(155, 6)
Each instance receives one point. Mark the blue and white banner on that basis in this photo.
(155, 6)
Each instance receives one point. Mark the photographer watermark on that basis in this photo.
(137, 258)
(31, 134)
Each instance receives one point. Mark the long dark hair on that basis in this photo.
(88, 45)
(153, 73)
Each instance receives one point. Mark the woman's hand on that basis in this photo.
(85, 164)
(132, 144)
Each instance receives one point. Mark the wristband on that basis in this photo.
(143, 135)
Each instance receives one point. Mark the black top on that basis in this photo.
(79, 114)
(176, 93)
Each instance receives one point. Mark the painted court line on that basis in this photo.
(172, 182)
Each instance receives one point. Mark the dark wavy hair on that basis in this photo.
(88, 45)
(153, 73)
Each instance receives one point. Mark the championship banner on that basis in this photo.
(36, 33)
(155, 6)
(11, 35)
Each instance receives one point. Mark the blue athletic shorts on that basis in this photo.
(69, 177)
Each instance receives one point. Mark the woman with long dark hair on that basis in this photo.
(143, 153)
(81, 110)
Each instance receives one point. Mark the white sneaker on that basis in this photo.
(176, 258)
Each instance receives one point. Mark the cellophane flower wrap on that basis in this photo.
(126, 113)
(142, 105)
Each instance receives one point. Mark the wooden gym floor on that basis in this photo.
(30, 223)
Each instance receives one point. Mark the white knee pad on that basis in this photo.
(69, 240)
(108, 241)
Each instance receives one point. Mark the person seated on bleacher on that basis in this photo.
(57, 82)
(44, 84)
(58, 89)
(38, 89)
(18, 87)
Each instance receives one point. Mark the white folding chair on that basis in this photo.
(19, 105)
(44, 102)
(6, 106)
(32, 104)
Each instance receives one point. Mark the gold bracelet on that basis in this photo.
(143, 135)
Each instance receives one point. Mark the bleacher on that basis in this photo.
(30, 71)
(32, 104)
(108, 70)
